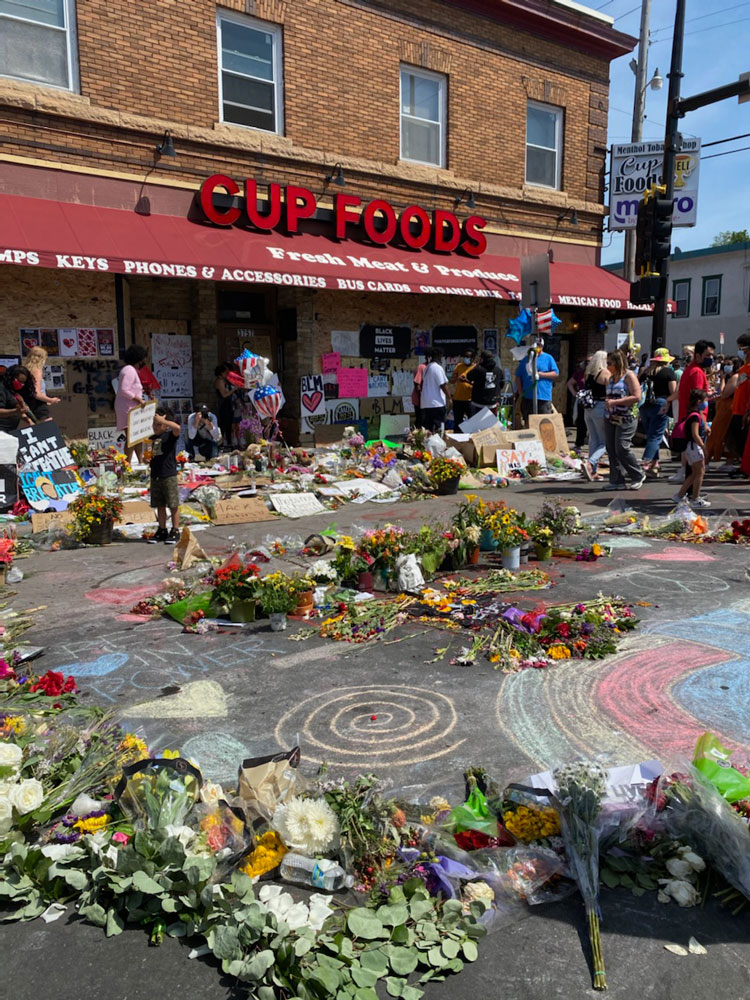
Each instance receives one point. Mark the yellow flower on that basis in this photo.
(13, 724)
(269, 851)
(514, 654)
(92, 824)
(559, 652)
(169, 754)
(597, 550)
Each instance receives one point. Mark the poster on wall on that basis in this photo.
(68, 337)
(403, 382)
(330, 385)
(311, 396)
(43, 446)
(490, 341)
(454, 340)
(105, 340)
(384, 341)
(54, 378)
(421, 342)
(352, 381)
(342, 411)
(172, 359)
(8, 361)
(377, 385)
(28, 338)
(87, 343)
(345, 342)
(48, 338)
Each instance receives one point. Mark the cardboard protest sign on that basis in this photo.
(188, 551)
(43, 446)
(329, 434)
(173, 363)
(312, 396)
(296, 504)
(54, 489)
(377, 385)
(352, 381)
(520, 456)
(330, 362)
(101, 438)
(403, 382)
(56, 519)
(8, 486)
(550, 428)
(241, 510)
(141, 423)
(137, 512)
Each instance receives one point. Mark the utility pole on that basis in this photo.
(639, 106)
(672, 140)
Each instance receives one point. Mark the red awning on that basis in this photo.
(44, 233)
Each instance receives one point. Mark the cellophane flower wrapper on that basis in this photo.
(160, 793)
(698, 815)
(225, 833)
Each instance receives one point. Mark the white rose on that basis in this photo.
(680, 868)
(211, 792)
(84, 805)
(28, 795)
(695, 861)
(681, 892)
(10, 755)
(6, 815)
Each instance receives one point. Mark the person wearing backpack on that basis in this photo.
(658, 382)
(689, 436)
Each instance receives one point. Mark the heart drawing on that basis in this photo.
(28, 343)
(68, 341)
(312, 400)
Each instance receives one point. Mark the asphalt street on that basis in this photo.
(252, 691)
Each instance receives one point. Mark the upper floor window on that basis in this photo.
(681, 296)
(423, 104)
(544, 128)
(711, 295)
(250, 73)
(37, 42)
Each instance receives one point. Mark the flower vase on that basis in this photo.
(543, 551)
(101, 533)
(278, 621)
(525, 552)
(487, 541)
(242, 610)
(449, 487)
(366, 581)
(473, 556)
(511, 558)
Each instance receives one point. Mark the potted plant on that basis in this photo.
(350, 565)
(430, 545)
(277, 597)
(468, 523)
(94, 515)
(560, 518)
(506, 528)
(234, 591)
(542, 538)
(380, 547)
(445, 475)
(304, 589)
(534, 469)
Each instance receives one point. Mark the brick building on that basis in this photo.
(491, 114)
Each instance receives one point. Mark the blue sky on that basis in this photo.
(717, 50)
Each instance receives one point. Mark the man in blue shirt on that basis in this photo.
(547, 372)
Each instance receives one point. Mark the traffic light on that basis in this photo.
(653, 231)
(645, 290)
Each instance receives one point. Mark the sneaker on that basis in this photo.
(700, 502)
(172, 538)
(160, 535)
(677, 497)
(637, 484)
(615, 486)
(678, 477)
(727, 467)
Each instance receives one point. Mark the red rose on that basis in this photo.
(563, 629)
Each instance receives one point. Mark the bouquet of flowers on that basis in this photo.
(234, 583)
(580, 789)
(276, 593)
(90, 509)
(541, 534)
(442, 470)
(381, 545)
(559, 518)
(506, 528)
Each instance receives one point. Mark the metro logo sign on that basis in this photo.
(414, 226)
(636, 166)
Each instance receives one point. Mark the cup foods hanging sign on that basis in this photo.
(637, 165)
(413, 226)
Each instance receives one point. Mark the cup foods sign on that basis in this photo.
(636, 166)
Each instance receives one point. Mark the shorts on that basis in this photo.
(694, 454)
(164, 492)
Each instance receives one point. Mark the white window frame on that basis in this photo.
(558, 113)
(71, 48)
(278, 68)
(442, 80)
(678, 283)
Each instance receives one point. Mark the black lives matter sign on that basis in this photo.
(384, 341)
(43, 446)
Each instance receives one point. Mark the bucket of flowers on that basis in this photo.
(234, 591)
(94, 515)
(352, 568)
(304, 589)
(468, 524)
(560, 518)
(507, 530)
(445, 474)
(277, 596)
(542, 537)
(380, 547)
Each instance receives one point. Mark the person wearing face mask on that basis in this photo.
(694, 377)
(16, 396)
(717, 438)
(486, 382)
(695, 450)
(461, 388)
(738, 425)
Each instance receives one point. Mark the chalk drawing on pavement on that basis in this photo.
(196, 700)
(100, 667)
(372, 725)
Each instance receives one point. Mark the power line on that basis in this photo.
(718, 142)
(724, 24)
(621, 16)
(727, 152)
(721, 10)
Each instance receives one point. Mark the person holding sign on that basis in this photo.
(129, 388)
(164, 491)
(16, 395)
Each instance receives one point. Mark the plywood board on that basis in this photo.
(71, 414)
(57, 519)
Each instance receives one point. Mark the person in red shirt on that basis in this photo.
(694, 377)
(737, 433)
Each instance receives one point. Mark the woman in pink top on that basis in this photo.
(129, 388)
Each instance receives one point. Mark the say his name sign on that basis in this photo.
(43, 446)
